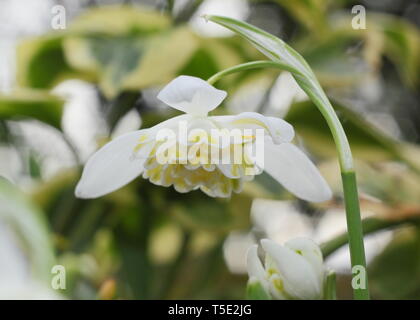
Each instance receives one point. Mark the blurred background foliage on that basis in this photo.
(72, 90)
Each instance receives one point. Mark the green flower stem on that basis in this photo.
(248, 66)
(370, 225)
(354, 227)
(330, 286)
(307, 83)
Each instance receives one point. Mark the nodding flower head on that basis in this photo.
(215, 154)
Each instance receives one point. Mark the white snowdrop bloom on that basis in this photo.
(195, 158)
(292, 271)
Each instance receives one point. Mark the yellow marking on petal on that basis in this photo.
(141, 143)
(250, 121)
(271, 271)
(138, 147)
(278, 284)
(143, 138)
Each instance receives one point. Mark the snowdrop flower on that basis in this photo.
(138, 153)
(292, 271)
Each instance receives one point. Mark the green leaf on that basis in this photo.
(271, 46)
(129, 62)
(332, 61)
(119, 19)
(402, 45)
(391, 36)
(29, 223)
(165, 56)
(368, 142)
(44, 61)
(123, 49)
(310, 13)
(395, 273)
(214, 54)
(41, 62)
(108, 59)
(32, 104)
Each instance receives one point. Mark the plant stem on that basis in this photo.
(308, 82)
(248, 66)
(354, 227)
(330, 287)
(348, 177)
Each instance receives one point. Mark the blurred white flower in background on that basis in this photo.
(129, 122)
(279, 220)
(285, 92)
(234, 251)
(10, 165)
(16, 281)
(26, 253)
(42, 140)
(82, 120)
(250, 95)
(237, 9)
(274, 99)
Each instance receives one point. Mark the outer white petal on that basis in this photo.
(293, 169)
(112, 166)
(310, 251)
(253, 262)
(300, 279)
(278, 129)
(191, 95)
(255, 268)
